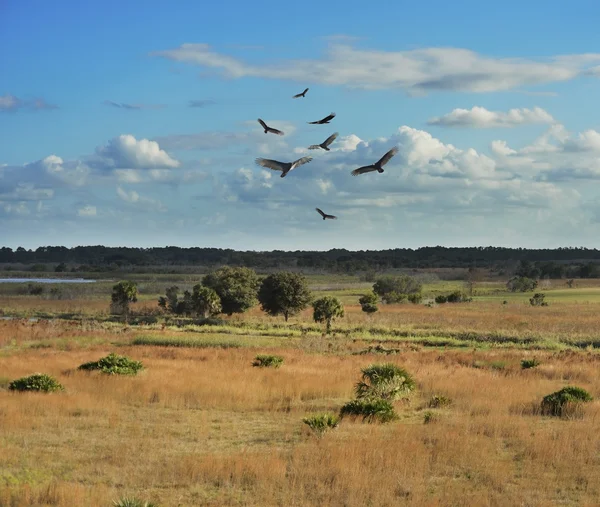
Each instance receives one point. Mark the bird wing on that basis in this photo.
(275, 131)
(314, 146)
(301, 161)
(304, 91)
(330, 117)
(386, 158)
(363, 170)
(330, 139)
(320, 212)
(297, 95)
(270, 164)
(264, 125)
(333, 217)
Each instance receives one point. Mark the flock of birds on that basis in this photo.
(286, 167)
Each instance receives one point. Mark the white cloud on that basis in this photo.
(9, 102)
(480, 117)
(143, 203)
(87, 211)
(418, 70)
(126, 152)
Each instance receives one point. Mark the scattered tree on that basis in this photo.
(236, 287)
(368, 303)
(538, 300)
(284, 293)
(521, 284)
(394, 289)
(326, 310)
(123, 293)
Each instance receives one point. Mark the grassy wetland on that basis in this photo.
(200, 425)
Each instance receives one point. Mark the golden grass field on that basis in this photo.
(201, 426)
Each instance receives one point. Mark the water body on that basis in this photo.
(45, 280)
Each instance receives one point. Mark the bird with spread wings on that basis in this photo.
(377, 166)
(325, 144)
(327, 119)
(303, 94)
(284, 167)
(325, 215)
(269, 129)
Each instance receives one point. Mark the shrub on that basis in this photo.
(368, 303)
(371, 410)
(441, 299)
(439, 401)
(114, 364)
(133, 502)
(267, 361)
(321, 423)
(385, 381)
(415, 298)
(521, 284)
(454, 297)
(563, 402)
(394, 289)
(529, 363)
(430, 417)
(326, 309)
(36, 382)
(538, 300)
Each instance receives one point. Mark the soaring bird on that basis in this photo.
(377, 166)
(324, 144)
(325, 215)
(303, 94)
(324, 120)
(269, 129)
(284, 167)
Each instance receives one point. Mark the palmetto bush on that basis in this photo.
(371, 410)
(321, 423)
(36, 382)
(114, 364)
(565, 402)
(386, 381)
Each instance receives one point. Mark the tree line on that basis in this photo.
(558, 261)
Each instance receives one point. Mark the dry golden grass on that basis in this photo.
(203, 427)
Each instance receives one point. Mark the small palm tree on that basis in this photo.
(385, 381)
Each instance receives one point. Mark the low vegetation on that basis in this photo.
(385, 381)
(322, 423)
(114, 364)
(37, 382)
(371, 410)
(267, 361)
(565, 402)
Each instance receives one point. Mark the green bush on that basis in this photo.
(529, 363)
(454, 297)
(267, 361)
(416, 298)
(321, 423)
(114, 364)
(133, 502)
(385, 381)
(36, 382)
(538, 299)
(368, 303)
(371, 410)
(439, 401)
(563, 402)
(441, 299)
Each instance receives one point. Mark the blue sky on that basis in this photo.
(134, 123)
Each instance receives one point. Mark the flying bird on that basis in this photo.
(284, 167)
(377, 166)
(325, 215)
(303, 94)
(324, 144)
(324, 120)
(269, 129)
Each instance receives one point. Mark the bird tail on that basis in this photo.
(379, 170)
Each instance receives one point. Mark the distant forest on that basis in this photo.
(555, 263)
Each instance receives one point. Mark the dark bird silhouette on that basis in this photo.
(284, 167)
(377, 166)
(324, 120)
(269, 129)
(303, 94)
(325, 215)
(325, 144)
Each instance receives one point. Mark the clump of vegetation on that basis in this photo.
(385, 381)
(37, 382)
(439, 401)
(267, 361)
(237, 288)
(377, 349)
(368, 303)
(529, 363)
(395, 289)
(321, 423)
(326, 309)
(430, 417)
(565, 402)
(538, 300)
(454, 297)
(371, 410)
(133, 502)
(123, 294)
(114, 364)
(201, 302)
(284, 294)
(521, 284)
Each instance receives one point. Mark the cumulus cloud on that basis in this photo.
(480, 117)
(124, 105)
(126, 152)
(11, 103)
(417, 71)
(142, 203)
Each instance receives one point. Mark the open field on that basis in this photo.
(201, 426)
